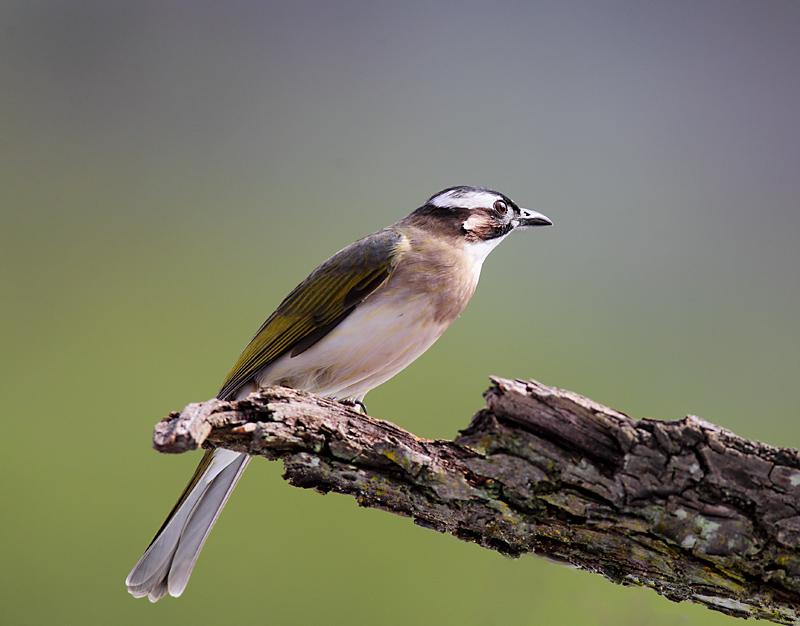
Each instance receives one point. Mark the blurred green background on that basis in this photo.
(170, 170)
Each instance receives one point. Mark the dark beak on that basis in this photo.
(528, 218)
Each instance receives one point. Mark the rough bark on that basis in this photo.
(686, 508)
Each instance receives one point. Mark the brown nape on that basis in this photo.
(444, 221)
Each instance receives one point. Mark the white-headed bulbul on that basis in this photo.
(356, 321)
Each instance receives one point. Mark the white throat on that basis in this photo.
(479, 250)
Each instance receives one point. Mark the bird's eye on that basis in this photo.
(501, 207)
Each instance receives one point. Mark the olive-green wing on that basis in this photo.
(319, 303)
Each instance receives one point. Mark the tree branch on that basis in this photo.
(686, 508)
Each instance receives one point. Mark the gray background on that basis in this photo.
(169, 171)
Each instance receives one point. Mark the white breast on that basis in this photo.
(379, 339)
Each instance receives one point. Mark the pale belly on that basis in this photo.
(375, 342)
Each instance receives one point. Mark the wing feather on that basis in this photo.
(318, 304)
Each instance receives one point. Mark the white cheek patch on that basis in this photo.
(473, 222)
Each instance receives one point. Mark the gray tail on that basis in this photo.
(168, 562)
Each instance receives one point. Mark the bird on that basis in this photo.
(357, 320)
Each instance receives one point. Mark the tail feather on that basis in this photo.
(168, 562)
(202, 520)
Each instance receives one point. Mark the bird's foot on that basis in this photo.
(355, 404)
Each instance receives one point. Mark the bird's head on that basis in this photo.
(475, 214)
